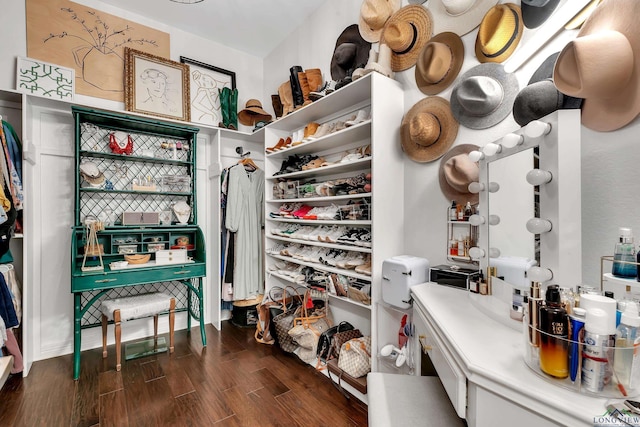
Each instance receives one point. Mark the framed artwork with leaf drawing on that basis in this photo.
(156, 85)
(205, 81)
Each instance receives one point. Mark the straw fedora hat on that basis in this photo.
(456, 172)
(373, 15)
(484, 96)
(351, 52)
(439, 63)
(428, 129)
(540, 97)
(499, 33)
(536, 12)
(458, 16)
(602, 65)
(253, 113)
(406, 33)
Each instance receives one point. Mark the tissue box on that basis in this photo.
(399, 273)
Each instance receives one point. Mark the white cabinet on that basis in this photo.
(377, 209)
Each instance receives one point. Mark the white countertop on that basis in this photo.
(491, 356)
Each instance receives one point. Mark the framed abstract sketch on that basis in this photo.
(41, 78)
(156, 86)
(205, 81)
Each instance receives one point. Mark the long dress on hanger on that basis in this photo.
(245, 217)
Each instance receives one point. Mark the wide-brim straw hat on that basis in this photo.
(373, 15)
(428, 129)
(602, 65)
(351, 52)
(536, 12)
(406, 33)
(252, 113)
(439, 63)
(456, 172)
(484, 96)
(458, 16)
(540, 97)
(499, 33)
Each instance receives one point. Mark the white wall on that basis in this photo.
(608, 177)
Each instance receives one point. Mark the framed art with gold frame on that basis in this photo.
(156, 86)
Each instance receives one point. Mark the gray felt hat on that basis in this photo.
(536, 12)
(484, 96)
(540, 97)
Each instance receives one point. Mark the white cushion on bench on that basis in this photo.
(136, 306)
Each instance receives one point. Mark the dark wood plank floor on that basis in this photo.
(234, 381)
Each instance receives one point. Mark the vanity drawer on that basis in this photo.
(451, 375)
(173, 256)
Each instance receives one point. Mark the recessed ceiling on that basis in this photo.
(252, 26)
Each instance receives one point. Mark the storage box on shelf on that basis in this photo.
(135, 177)
(333, 202)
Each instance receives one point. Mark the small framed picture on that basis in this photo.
(205, 81)
(156, 86)
(35, 77)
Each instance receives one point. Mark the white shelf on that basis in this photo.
(283, 277)
(322, 221)
(322, 198)
(328, 142)
(352, 166)
(350, 301)
(6, 363)
(322, 244)
(322, 267)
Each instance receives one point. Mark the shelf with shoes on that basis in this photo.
(369, 148)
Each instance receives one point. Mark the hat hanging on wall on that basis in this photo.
(439, 63)
(378, 61)
(499, 33)
(458, 16)
(406, 33)
(540, 97)
(536, 12)
(456, 172)
(602, 65)
(253, 113)
(373, 15)
(428, 129)
(351, 52)
(484, 96)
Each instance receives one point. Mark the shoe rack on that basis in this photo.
(374, 104)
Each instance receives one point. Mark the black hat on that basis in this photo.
(351, 52)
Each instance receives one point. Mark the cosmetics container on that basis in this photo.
(554, 334)
(624, 255)
(517, 309)
(535, 302)
(626, 362)
(576, 325)
(598, 350)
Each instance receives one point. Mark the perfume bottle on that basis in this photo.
(554, 334)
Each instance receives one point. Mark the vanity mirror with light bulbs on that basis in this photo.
(530, 199)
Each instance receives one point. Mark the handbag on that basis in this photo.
(324, 342)
(274, 303)
(341, 338)
(355, 357)
(284, 321)
(306, 333)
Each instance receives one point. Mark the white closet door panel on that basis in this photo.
(56, 135)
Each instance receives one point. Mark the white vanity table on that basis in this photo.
(480, 363)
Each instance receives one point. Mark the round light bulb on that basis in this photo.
(494, 253)
(476, 253)
(539, 225)
(538, 177)
(511, 140)
(476, 219)
(536, 129)
(539, 274)
(491, 149)
(476, 156)
(494, 187)
(476, 187)
(494, 220)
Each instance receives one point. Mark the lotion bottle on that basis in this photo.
(626, 362)
(625, 251)
(554, 334)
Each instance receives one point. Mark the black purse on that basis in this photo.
(326, 339)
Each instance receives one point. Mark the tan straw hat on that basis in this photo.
(499, 33)
(253, 113)
(458, 16)
(456, 172)
(373, 15)
(406, 33)
(439, 63)
(428, 129)
(602, 65)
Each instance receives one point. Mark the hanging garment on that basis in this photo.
(3, 333)
(7, 311)
(14, 146)
(245, 217)
(14, 287)
(11, 177)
